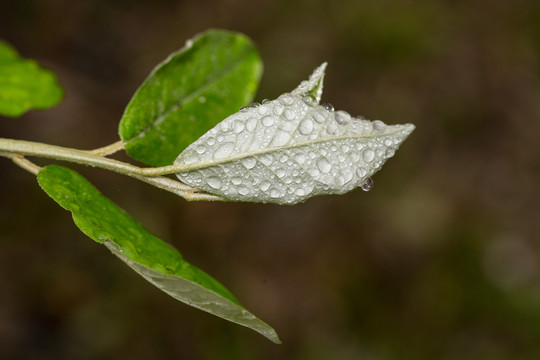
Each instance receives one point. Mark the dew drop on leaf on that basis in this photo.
(214, 182)
(309, 99)
(249, 162)
(368, 155)
(306, 127)
(367, 184)
(342, 117)
(264, 185)
(238, 126)
(324, 165)
(268, 120)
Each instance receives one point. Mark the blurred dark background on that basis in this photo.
(438, 261)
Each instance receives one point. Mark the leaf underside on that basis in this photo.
(215, 74)
(24, 85)
(148, 255)
(289, 149)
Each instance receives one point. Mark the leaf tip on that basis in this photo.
(314, 85)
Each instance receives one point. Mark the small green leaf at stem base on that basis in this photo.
(24, 85)
(215, 74)
(148, 255)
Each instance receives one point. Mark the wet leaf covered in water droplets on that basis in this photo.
(289, 149)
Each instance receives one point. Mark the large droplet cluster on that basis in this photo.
(287, 150)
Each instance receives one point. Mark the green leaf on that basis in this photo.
(215, 74)
(24, 85)
(148, 255)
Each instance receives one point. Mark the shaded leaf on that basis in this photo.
(24, 85)
(192, 90)
(148, 255)
(289, 149)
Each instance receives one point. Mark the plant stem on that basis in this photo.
(16, 149)
(22, 162)
(109, 149)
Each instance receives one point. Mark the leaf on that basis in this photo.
(215, 74)
(148, 255)
(24, 85)
(289, 149)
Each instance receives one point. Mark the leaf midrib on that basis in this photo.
(240, 156)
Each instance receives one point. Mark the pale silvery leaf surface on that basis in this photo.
(194, 295)
(289, 149)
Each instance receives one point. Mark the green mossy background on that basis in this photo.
(439, 261)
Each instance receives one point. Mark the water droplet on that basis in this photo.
(275, 193)
(345, 149)
(318, 117)
(389, 152)
(249, 162)
(191, 159)
(243, 190)
(348, 175)
(332, 128)
(281, 173)
(300, 192)
(244, 109)
(342, 117)
(286, 99)
(324, 165)
(360, 117)
(289, 114)
(388, 142)
(367, 184)
(278, 109)
(236, 180)
(255, 105)
(214, 182)
(224, 126)
(300, 159)
(378, 125)
(339, 180)
(224, 150)
(202, 99)
(265, 101)
(238, 126)
(361, 173)
(368, 155)
(306, 127)
(328, 107)
(283, 158)
(280, 138)
(201, 149)
(264, 185)
(309, 99)
(268, 120)
(368, 128)
(262, 110)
